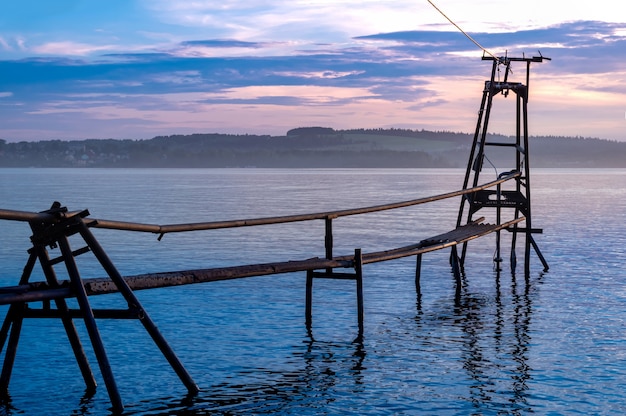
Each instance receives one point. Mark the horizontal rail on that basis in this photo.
(41, 291)
(173, 228)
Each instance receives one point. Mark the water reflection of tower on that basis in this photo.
(523, 312)
(494, 334)
(326, 365)
(501, 375)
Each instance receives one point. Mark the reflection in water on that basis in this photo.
(484, 337)
(319, 356)
(480, 339)
(465, 353)
(86, 402)
(494, 343)
(311, 388)
(5, 403)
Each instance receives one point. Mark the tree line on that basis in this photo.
(306, 147)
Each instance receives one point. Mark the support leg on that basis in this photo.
(513, 258)
(309, 298)
(12, 327)
(6, 325)
(90, 323)
(68, 323)
(527, 253)
(498, 259)
(418, 274)
(513, 243)
(16, 319)
(77, 346)
(358, 268)
(461, 259)
(456, 269)
(543, 260)
(134, 303)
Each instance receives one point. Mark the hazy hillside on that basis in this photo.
(308, 147)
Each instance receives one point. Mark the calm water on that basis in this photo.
(552, 345)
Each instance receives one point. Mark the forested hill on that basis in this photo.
(308, 147)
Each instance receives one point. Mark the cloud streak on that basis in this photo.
(407, 78)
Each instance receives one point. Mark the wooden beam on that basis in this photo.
(40, 291)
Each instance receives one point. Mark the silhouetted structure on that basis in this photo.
(51, 229)
(518, 198)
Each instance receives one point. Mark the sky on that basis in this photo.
(135, 69)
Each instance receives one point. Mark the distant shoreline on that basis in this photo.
(307, 148)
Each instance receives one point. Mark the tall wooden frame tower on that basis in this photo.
(517, 199)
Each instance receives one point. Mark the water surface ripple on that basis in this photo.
(498, 344)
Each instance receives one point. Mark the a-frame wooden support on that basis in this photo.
(55, 234)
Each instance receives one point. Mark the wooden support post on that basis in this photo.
(527, 254)
(328, 240)
(66, 319)
(11, 328)
(309, 298)
(498, 259)
(528, 212)
(513, 243)
(16, 314)
(90, 323)
(357, 276)
(58, 235)
(135, 305)
(456, 270)
(358, 268)
(543, 259)
(16, 320)
(418, 273)
(461, 259)
(6, 325)
(513, 259)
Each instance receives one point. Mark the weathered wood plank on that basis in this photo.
(177, 278)
(40, 291)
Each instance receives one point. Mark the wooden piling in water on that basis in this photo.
(358, 270)
(90, 324)
(357, 276)
(135, 306)
(418, 273)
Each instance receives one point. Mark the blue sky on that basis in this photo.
(135, 69)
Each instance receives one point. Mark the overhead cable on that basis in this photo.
(463, 32)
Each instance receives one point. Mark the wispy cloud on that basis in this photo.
(69, 48)
(4, 44)
(410, 78)
(10, 44)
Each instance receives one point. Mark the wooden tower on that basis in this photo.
(517, 197)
